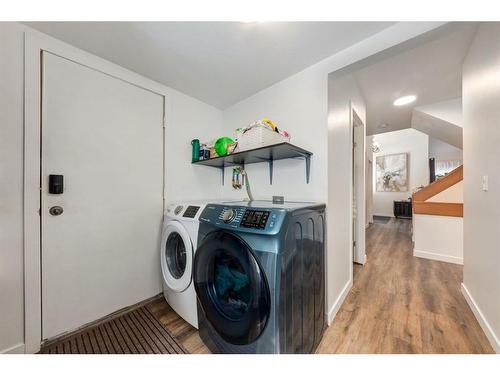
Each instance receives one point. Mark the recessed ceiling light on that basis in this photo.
(404, 100)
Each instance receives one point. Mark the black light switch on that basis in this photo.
(56, 183)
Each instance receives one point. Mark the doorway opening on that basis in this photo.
(405, 129)
(404, 111)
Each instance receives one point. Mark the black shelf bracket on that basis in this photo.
(271, 171)
(270, 163)
(222, 174)
(307, 158)
(308, 167)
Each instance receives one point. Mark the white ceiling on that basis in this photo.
(432, 70)
(437, 128)
(219, 63)
(441, 121)
(448, 110)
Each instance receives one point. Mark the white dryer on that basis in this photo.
(178, 244)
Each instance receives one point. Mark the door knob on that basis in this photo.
(56, 210)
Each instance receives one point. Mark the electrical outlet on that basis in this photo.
(485, 183)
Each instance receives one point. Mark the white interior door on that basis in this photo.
(105, 136)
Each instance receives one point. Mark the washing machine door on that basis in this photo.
(176, 257)
(232, 288)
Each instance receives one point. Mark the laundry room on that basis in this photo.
(193, 209)
(199, 186)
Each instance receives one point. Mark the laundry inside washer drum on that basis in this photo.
(232, 286)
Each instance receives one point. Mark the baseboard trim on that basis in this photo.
(384, 215)
(16, 349)
(436, 256)
(490, 334)
(339, 301)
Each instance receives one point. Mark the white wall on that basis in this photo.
(481, 98)
(416, 144)
(446, 156)
(300, 104)
(343, 92)
(442, 151)
(454, 194)
(447, 110)
(187, 118)
(11, 188)
(294, 104)
(438, 237)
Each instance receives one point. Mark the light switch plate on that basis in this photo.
(485, 183)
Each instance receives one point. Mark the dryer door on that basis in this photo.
(232, 288)
(176, 257)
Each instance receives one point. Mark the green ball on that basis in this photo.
(221, 145)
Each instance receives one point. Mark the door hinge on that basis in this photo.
(354, 243)
(164, 124)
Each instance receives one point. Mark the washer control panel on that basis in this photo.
(245, 219)
(255, 219)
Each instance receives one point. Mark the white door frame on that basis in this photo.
(34, 44)
(359, 252)
(369, 189)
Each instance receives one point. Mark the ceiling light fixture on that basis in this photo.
(250, 21)
(404, 100)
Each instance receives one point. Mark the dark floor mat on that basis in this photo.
(136, 331)
(381, 219)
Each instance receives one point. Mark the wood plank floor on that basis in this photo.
(180, 329)
(403, 304)
(398, 304)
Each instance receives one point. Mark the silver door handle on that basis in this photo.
(56, 210)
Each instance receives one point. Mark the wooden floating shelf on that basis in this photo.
(267, 154)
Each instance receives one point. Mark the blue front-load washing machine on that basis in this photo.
(259, 275)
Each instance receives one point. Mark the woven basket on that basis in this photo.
(259, 137)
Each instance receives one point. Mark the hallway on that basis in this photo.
(403, 304)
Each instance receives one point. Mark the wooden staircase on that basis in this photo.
(423, 207)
